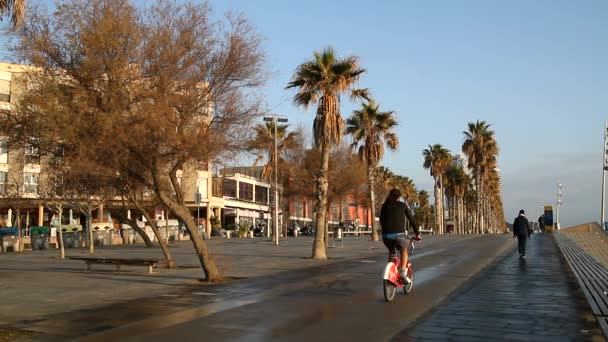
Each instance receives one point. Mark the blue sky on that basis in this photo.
(537, 71)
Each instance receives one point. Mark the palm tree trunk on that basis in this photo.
(318, 246)
(442, 202)
(370, 190)
(437, 206)
(463, 215)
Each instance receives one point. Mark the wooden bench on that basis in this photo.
(591, 276)
(356, 233)
(150, 263)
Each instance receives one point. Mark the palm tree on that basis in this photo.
(321, 81)
(383, 176)
(423, 210)
(372, 129)
(436, 159)
(481, 149)
(264, 144)
(14, 9)
(407, 188)
(264, 141)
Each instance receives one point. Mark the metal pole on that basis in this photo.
(198, 215)
(276, 184)
(605, 164)
(559, 203)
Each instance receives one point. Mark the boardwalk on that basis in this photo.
(532, 299)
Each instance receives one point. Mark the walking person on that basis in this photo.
(541, 223)
(521, 230)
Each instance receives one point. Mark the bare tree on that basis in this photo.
(141, 92)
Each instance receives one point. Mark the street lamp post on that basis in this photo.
(275, 118)
(198, 210)
(559, 203)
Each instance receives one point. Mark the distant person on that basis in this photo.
(541, 223)
(521, 230)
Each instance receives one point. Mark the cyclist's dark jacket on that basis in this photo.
(392, 218)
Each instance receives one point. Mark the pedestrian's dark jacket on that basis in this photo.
(392, 218)
(521, 227)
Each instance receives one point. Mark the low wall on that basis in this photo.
(585, 227)
(591, 227)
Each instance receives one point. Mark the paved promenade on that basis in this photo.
(532, 299)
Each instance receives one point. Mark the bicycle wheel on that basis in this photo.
(410, 274)
(389, 290)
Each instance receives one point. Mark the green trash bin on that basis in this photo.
(40, 237)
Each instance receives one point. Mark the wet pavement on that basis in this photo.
(532, 299)
(339, 301)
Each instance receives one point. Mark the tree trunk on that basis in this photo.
(19, 235)
(462, 215)
(437, 206)
(326, 225)
(372, 200)
(141, 232)
(161, 241)
(318, 246)
(210, 269)
(60, 235)
(181, 211)
(90, 230)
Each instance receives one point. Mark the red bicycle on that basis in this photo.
(392, 279)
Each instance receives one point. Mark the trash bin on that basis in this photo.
(73, 239)
(128, 236)
(338, 233)
(73, 235)
(101, 237)
(40, 237)
(9, 239)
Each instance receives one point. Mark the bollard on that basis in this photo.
(295, 233)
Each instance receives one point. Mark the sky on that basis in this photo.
(537, 71)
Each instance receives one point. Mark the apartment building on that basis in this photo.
(22, 174)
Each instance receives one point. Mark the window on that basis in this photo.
(201, 188)
(3, 151)
(32, 153)
(230, 188)
(299, 208)
(261, 194)
(30, 183)
(3, 180)
(245, 191)
(5, 91)
(217, 184)
(335, 212)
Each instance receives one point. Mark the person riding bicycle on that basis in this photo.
(392, 221)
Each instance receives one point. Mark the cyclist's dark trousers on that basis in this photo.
(522, 244)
